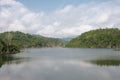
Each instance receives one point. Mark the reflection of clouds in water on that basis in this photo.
(5, 78)
(78, 63)
(60, 64)
(57, 70)
(105, 74)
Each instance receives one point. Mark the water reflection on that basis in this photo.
(9, 59)
(50, 69)
(105, 62)
(61, 64)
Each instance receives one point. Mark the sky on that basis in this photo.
(58, 18)
(51, 5)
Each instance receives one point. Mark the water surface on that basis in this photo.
(61, 64)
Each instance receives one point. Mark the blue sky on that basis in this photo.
(58, 18)
(50, 5)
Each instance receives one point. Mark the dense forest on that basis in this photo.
(13, 41)
(100, 38)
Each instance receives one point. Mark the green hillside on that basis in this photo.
(27, 40)
(100, 38)
(22, 40)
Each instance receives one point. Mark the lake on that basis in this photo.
(61, 64)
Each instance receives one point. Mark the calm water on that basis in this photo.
(61, 64)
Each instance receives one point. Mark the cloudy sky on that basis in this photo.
(58, 18)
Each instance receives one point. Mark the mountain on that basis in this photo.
(24, 40)
(100, 38)
(67, 39)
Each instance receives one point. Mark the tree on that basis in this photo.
(100, 38)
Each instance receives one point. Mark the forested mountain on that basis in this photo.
(22, 40)
(100, 38)
(27, 40)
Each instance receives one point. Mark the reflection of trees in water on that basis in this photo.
(106, 62)
(7, 59)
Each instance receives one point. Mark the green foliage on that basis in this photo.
(100, 38)
(23, 40)
(6, 48)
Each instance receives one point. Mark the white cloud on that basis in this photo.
(65, 22)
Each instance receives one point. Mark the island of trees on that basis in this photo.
(12, 42)
(100, 38)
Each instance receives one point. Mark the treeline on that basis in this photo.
(6, 48)
(22, 40)
(100, 38)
